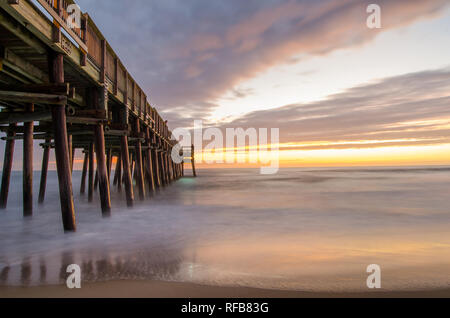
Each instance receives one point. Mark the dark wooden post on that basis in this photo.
(84, 172)
(56, 75)
(109, 163)
(167, 166)
(69, 141)
(118, 173)
(154, 151)
(138, 160)
(125, 155)
(161, 168)
(103, 181)
(126, 170)
(148, 158)
(28, 165)
(171, 171)
(44, 171)
(193, 161)
(102, 170)
(7, 166)
(91, 173)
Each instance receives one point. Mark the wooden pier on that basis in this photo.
(71, 92)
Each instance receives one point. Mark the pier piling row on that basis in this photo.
(62, 84)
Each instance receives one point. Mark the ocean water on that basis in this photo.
(302, 229)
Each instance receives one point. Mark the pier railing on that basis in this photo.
(89, 50)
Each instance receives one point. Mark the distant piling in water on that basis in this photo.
(70, 90)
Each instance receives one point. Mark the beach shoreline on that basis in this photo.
(160, 289)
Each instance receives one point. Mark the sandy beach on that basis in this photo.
(158, 289)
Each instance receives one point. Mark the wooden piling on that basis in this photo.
(103, 180)
(91, 173)
(161, 168)
(69, 141)
(109, 163)
(118, 173)
(28, 165)
(7, 166)
(149, 162)
(84, 173)
(96, 180)
(56, 75)
(138, 160)
(44, 171)
(193, 161)
(126, 170)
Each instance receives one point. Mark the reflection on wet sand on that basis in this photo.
(92, 270)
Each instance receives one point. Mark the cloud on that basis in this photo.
(410, 109)
(186, 54)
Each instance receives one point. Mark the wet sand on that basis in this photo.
(157, 289)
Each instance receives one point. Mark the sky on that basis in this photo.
(340, 93)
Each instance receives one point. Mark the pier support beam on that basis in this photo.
(84, 173)
(44, 172)
(193, 161)
(100, 150)
(103, 180)
(138, 160)
(118, 173)
(27, 189)
(162, 170)
(91, 173)
(69, 141)
(126, 170)
(108, 164)
(7, 166)
(56, 75)
(149, 162)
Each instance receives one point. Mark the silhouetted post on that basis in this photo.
(102, 170)
(126, 170)
(126, 162)
(169, 172)
(84, 172)
(139, 168)
(56, 75)
(156, 169)
(28, 164)
(193, 161)
(69, 141)
(7, 166)
(109, 163)
(118, 173)
(73, 157)
(96, 180)
(103, 181)
(91, 173)
(166, 162)
(44, 171)
(161, 168)
(148, 158)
